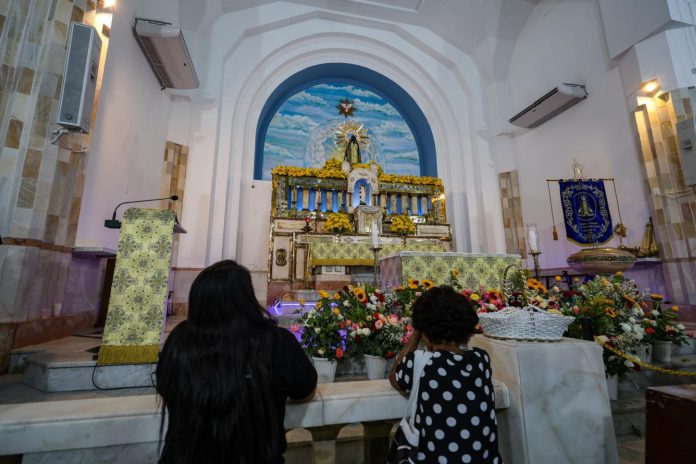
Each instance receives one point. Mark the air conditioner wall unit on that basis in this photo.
(553, 103)
(166, 52)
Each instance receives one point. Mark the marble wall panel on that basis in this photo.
(9, 281)
(513, 222)
(84, 284)
(670, 200)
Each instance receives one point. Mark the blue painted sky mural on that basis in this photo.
(302, 130)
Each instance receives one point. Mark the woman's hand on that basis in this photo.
(410, 345)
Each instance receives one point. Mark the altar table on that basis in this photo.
(474, 268)
(323, 253)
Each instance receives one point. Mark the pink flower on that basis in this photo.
(355, 326)
(295, 328)
(379, 325)
(576, 310)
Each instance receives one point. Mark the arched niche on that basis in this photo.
(358, 76)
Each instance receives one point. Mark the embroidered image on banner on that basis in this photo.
(585, 211)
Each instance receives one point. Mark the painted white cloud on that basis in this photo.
(275, 151)
(304, 97)
(361, 92)
(384, 109)
(295, 122)
(405, 156)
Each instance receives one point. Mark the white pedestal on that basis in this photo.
(559, 407)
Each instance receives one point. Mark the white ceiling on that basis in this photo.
(464, 23)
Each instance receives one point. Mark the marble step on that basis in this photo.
(628, 414)
(77, 371)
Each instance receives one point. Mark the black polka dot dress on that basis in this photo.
(456, 408)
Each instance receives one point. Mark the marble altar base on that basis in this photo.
(559, 406)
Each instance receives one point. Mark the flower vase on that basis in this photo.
(686, 348)
(613, 387)
(375, 366)
(644, 353)
(326, 369)
(662, 351)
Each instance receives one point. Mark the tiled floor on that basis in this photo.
(631, 449)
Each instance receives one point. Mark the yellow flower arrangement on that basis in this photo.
(360, 294)
(338, 223)
(368, 165)
(331, 169)
(427, 283)
(534, 284)
(417, 180)
(403, 225)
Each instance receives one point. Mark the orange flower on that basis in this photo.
(427, 283)
(610, 312)
(339, 353)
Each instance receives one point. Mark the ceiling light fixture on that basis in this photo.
(650, 88)
(106, 5)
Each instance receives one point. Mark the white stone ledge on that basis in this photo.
(89, 423)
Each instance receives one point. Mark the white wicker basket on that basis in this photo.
(528, 323)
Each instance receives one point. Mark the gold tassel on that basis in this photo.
(128, 354)
(555, 232)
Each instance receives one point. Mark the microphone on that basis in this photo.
(115, 224)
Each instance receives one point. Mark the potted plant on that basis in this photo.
(402, 225)
(663, 329)
(338, 223)
(322, 339)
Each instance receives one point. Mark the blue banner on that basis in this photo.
(585, 211)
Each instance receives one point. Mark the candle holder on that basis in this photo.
(535, 255)
(375, 251)
(307, 228)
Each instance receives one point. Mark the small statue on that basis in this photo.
(362, 194)
(352, 153)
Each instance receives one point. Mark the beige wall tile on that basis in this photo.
(14, 133)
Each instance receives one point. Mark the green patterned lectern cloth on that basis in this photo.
(474, 269)
(135, 320)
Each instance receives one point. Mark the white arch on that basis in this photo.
(452, 114)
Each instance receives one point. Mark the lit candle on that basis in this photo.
(375, 235)
(532, 238)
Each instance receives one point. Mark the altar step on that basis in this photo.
(628, 414)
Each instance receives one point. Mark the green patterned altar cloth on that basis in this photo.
(359, 254)
(135, 319)
(474, 269)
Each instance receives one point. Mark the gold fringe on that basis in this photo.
(128, 354)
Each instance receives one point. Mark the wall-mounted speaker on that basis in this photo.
(79, 78)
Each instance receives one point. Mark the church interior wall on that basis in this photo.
(564, 43)
(250, 52)
(129, 134)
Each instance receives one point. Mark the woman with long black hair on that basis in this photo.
(225, 374)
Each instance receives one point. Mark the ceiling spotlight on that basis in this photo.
(103, 5)
(650, 88)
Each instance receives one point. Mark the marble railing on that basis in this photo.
(57, 426)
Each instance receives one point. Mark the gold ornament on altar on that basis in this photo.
(349, 137)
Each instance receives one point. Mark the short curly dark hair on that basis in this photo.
(444, 315)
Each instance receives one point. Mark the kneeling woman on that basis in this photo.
(225, 374)
(456, 406)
